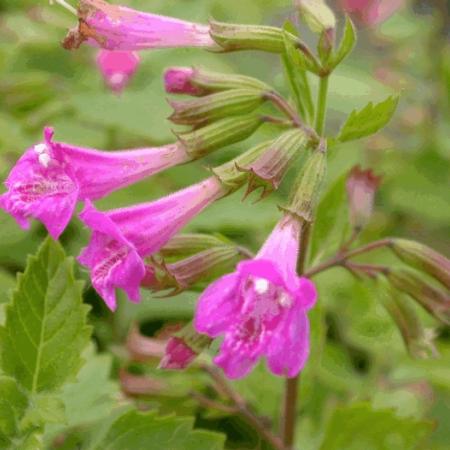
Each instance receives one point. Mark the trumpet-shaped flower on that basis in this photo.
(121, 238)
(117, 68)
(51, 177)
(261, 309)
(115, 27)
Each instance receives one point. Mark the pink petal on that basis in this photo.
(217, 306)
(288, 349)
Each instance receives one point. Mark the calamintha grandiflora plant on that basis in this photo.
(259, 309)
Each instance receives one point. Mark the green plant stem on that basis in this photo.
(292, 384)
(341, 258)
(321, 110)
(240, 406)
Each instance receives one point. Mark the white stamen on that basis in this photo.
(40, 148)
(285, 300)
(44, 159)
(117, 79)
(261, 286)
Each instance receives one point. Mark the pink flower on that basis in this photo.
(117, 68)
(123, 237)
(261, 308)
(178, 80)
(372, 12)
(51, 177)
(178, 355)
(117, 27)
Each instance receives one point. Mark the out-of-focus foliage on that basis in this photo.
(360, 382)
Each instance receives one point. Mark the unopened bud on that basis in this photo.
(268, 170)
(182, 245)
(362, 186)
(249, 37)
(231, 175)
(185, 273)
(307, 189)
(183, 348)
(178, 80)
(224, 132)
(199, 82)
(317, 14)
(423, 258)
(215, 106)
(418, 340)
(326, 45)
(432, 299)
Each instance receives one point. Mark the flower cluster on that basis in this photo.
(260, 310)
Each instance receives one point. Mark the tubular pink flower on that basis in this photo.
(51, 177)
(117, 68)
(178, 80)
(115, 27)
(372, 12)
(261, 308)
(121, 238)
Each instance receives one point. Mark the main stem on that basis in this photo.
(322, 105)
(292, 384)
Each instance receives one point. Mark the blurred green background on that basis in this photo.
(359, 367)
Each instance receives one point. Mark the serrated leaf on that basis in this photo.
(346, 45)
(134, 430)
(369, 120)
(359, 426)
(44, 409)
(45, 328)
(91, 397)
(13, 403)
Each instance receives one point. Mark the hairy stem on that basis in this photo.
(341, 258)
(322, 105)
(240, 406)
(292, 384)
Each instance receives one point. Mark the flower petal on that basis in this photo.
(217, 306)
(288, 349)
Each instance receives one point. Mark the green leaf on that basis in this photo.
(347, 43)
(13, 403)
(92, 396)
(45, 328)
(44, 409)
(332, 224)
(368, 120)
(135, 430)
(358, 426)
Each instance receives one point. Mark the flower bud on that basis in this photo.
(224, 132)
(178, 80)
(183, 245)
(432, 299)
(317, 14)
(268, 170)
(183, 348)
(215, 106)
(423, 258)
(231, 174)
(199, 82)
(117, 68)
(249, 37)
(417, 339)
(186, 272)
(361, 188)
(306, 192)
